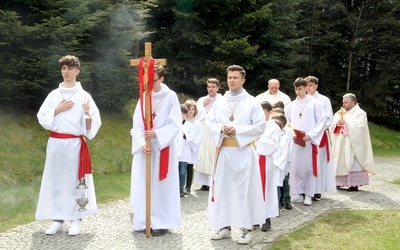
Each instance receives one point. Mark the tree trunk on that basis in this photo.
(349, 71)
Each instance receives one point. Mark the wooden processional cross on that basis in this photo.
(145, 86)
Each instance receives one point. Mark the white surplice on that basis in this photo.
(60, 177)
(190, 152)
(238, 199)
(355, 146)
(268, 145)
(312, 121)
(203, 168)
(326, 176)
(272, 99)
(281, 158)
(165, 200)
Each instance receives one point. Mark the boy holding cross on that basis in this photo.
(167, 122)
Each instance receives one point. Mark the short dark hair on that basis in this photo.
(300, 81)
(279, 110)
(160, 71)
(266, 105)
(70, 61)
(281, 118)
(312, 79)
(279, 123)
(237, 68)
(184, 110)
(279, 104)
(213, 80)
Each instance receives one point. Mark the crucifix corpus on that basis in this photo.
(146, 79)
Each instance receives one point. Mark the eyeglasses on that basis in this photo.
(155, 80)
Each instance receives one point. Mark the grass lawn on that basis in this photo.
(18, 201)
(347, 229)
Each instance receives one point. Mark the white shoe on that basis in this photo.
(297, 198)
(221, 234)
(54, 228)
(75, 228)
(246, 237)
(308, 201)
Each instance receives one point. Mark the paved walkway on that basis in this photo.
(111, 227)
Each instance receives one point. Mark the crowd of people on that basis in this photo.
(253, 155)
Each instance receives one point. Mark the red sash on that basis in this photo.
(85, 164)
(324, 143)
(263, 164)
(337, 129)
(164, 158)
(314, 159)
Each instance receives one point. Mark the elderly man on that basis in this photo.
(273, 94)
(351, 144)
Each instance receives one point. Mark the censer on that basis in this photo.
(81, 195)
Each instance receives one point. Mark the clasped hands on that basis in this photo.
(228, 130)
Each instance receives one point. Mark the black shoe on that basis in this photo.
(352, 189)
(182, 194)
(205, 188)
(266, 226)
(144, 231)
(159, 232)
(288, 206)
(187, 190)
(317, 197)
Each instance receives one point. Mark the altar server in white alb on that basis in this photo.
(70, 114)
(203, 168)
(267, 146)
(236, 194)
(167, 124)
(193, 133)
(307, 119)
(326, 175)
(352, 149)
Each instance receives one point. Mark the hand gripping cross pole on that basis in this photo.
(146, 79)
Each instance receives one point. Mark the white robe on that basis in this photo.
(238, 199)
(355, 145)
(268, 145)
(289, 135)
(272, 99)
(57, 199)
(302, 179)
(165, 200)
(281, 158)
(190, 149)
(208, 148)
(326, 177)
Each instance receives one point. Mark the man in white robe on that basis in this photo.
(307, 116)
(351, 143)
(165, 199)
(203, 168)
(326, 177)
(273, 94)
(70, 113)
(236, 197)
